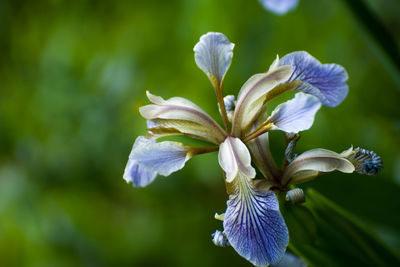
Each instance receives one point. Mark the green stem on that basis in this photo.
(221, 105)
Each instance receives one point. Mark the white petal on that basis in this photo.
(320, 160)
(213, 55)
(296, 114)
(179, 115)
(235, 159)
(274, 64)
(252, 95)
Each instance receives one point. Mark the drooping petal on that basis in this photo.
(325, 81)
(313, 162)
(296, 114)
(180, 116)
(135, 172)
(252, 95)
(163, 158)
(254, 225)
(279, 7)
(213, 55)
(235, 159)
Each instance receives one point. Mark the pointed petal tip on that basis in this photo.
(275, 64)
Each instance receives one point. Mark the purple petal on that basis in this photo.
(135, 172)
(254, 225)
(279, 7)
(325, 81)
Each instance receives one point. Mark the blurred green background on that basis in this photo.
(72, 76)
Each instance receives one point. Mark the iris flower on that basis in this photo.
(252, 222)
(279, 7)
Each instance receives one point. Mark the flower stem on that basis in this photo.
(221, 104)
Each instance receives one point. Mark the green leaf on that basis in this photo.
(324, 234)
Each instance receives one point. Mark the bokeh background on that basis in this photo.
(72, 76)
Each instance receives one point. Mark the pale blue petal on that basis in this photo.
(254, 225)
(136, 173)
(213, 55)
(296, 114)
(163, 158)
(325, 81)
(279, 7)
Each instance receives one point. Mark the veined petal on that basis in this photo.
(254, 225)
(159, 128)
(134, 171)
(279, 7)
(181, 116)
(235, 159)
(252, 95)
(296, 114)
(312, 161)
(163, 158)
(325, 81)
(213, 55)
